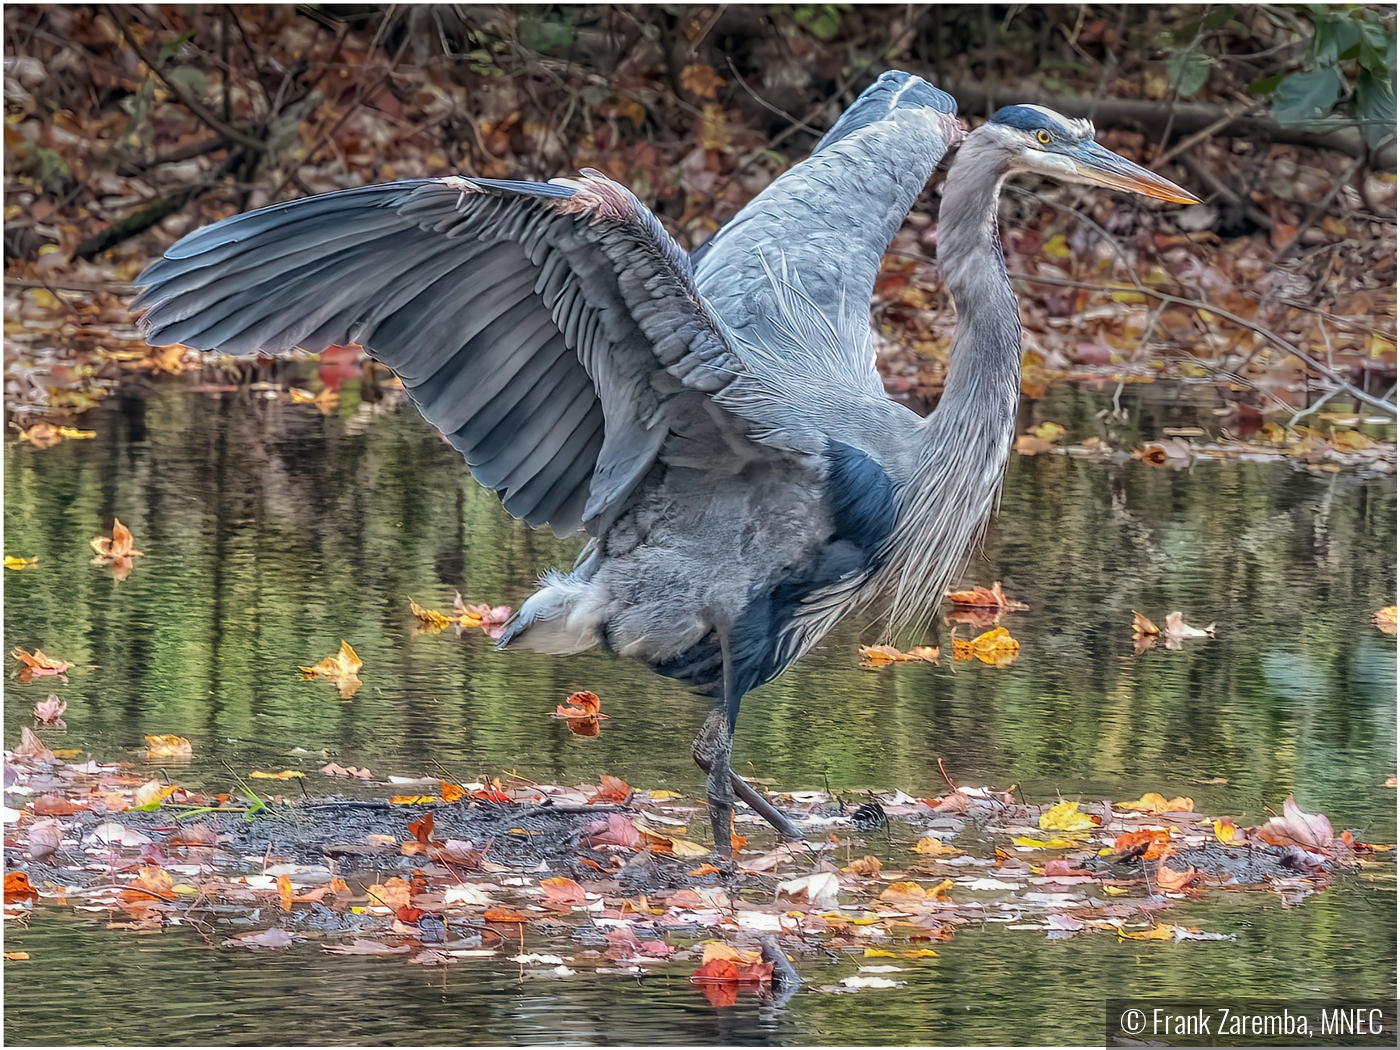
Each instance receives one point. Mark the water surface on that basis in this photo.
(272, 532)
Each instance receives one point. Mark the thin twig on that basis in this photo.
(765, 103)
(1205, 133)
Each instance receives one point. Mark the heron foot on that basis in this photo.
(711, 751)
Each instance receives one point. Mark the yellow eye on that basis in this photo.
(1043, 137)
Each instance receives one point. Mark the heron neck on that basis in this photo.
(968, 435)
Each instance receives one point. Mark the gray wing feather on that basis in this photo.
(528, 321)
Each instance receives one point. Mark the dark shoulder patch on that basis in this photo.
(862, 496)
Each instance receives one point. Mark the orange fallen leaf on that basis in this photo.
(995, 647)
(705, 869)
(1150, 843)
(17, 888)
(983, 598)
(431, 619)
(868, 865)
(116, 551)
(37, 665)
(701, 80)
(1384, 619)
(563, 890)
(1142, 625)
(452, 792)
(504, 915)
(284, 892)
(1171, 879)
(883, 655)
(342, 668)
(580, 705)
(611, 789)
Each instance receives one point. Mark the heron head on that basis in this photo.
(1059, 147)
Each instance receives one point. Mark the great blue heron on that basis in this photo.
(714, 422)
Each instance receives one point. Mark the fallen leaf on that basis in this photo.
(50, 711)
(1149, 844)
(1227, 833)
(1153, 803)
(1160, 932)
(882, 655)
(1311, 831)
(342, 668)
(563, 890)
(116, 550)
(333, 770)
(996, 647)
(37, 665)
(168, 745)
(1177, 628)
(430, 618)
(491, 619)
(701, 80)
(17, 888)
(1031, 445)
(504, 915)
(273, 938)
(360, 946)
(933, 846)
(286, 774)
(981, 597)
(580, 706)
(1170, 879)
(1050, 843)
(1065, 816)
(16, 956)
(868, 865)
(11, 562)
(31, 747)
(152, 793)
(1384, 619)
(1142, 625)
(611, 789)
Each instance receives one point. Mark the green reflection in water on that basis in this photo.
(271, 533)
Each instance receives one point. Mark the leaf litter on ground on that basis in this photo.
(603, 876)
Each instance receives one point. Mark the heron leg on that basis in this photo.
(712, 749)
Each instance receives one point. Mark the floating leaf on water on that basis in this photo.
(168, 745)
(1384, 619)
(1065, 816)
(1152, 802)
(342, 668)
(12, 562)
(995, 647)
(981, 597)
(883, 655)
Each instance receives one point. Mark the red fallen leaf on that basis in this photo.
(585, 726)
(565, 891)
(50, 711)
(611, 789)
(1312, 831)
(1346, 838)
(409, 915)
(725, 971)
(1171, 879)
(982, 597)
(492, 792)
(616, 830)
(17, 888)
(579, 705)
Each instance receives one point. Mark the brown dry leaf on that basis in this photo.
(701, 80)
(168, 745)
(117, 547)
(155, 879)
(392, 894)
(342, 669)
(995, 647)
(981, 597)
(1153, 803)
(884, 655)
(904, 891)
(1384, 619)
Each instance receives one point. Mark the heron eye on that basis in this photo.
(1043, 137)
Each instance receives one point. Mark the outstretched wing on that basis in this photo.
(531, 322)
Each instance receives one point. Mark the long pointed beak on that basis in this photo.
(1092, 163)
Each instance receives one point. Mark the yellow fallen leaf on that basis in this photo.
(879, 953)
(152, 792)
(1057, 247)
(1154, 803)
(286, 774)
(686, 848)
(1384, 619)
(995, 647)
(1227, 833)
(921, 953)
(905, 889)
(11, 562)
(1050, 843)
(1048, 431)
(167, 746)
(1160, 932)
(430, 618)
(933, 846)
(1114, 891)
(1065, 816)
